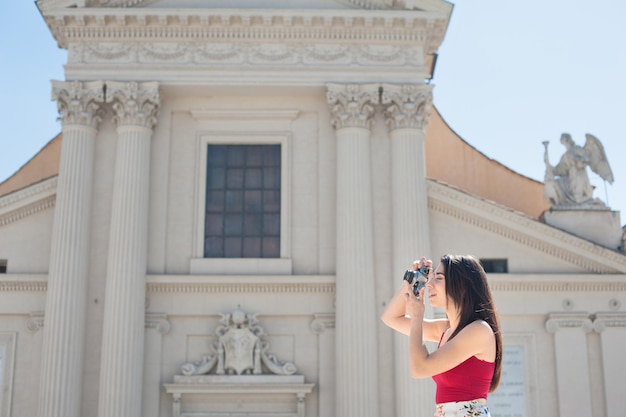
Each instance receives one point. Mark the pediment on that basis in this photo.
(28, 201)
(503, 222)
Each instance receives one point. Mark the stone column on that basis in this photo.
(572, 362)
(612, 329)
(352, 108)
(135, 106)
(64, 330)
(407, 109)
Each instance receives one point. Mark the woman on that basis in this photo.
(466, 365)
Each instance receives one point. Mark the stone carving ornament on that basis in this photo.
(567, 183)
(240, 349)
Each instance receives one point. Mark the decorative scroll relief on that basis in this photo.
(240, 349)
(609, 320)
(229, 53)
(323, 321)
(559, 321)
(407, 106)
(79, 102)
(134, 104)
(35, 321)
(352, 105)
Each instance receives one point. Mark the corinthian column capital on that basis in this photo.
(352, 105)
(407, 105)
(79, 102)
(134, 104)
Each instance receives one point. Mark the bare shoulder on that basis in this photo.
(482, 336)
(479, 328)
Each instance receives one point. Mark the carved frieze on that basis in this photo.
(244, 53)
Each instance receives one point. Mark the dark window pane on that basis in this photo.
(234, 201)
(271, 201)
(252, 225)
(496, 266)
(215, 201)
(255, 156)
(271, 155)
(271, 247)
(233, 225)
(214, 225)
(214, 247)
(216, 155)
(254, 178)
(271, 225)
(215, 178)
(236, 156)
(234, 178)
(251, 247)
(232, 247)
(252, 201)
(271, 177)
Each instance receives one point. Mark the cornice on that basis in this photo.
(72, 25)
(523, 229)
(28, 201)
(556, 287)
(45, 186)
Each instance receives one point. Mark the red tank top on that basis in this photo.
(467, 381)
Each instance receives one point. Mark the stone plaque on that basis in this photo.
(509, 400)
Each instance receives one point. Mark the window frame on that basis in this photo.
(281, 265)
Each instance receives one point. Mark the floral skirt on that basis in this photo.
(473, 408)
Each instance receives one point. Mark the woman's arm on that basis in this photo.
(476, 339)
(395, 317)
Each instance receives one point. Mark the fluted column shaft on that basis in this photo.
(352, 108)
(407, 109)
(64, 329)
(121, 371)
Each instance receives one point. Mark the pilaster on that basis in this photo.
(324, 326)
(64, 331)
(352, 108)
(612, 329)
(407, 108)
(572, 364)
(135, 107)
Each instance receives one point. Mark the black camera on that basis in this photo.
(417, 278)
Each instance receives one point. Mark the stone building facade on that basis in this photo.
(286, 162)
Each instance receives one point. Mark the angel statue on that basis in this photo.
(567, 184)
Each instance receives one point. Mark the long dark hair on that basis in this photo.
(467, 287)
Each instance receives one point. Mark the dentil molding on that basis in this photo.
(401, 27)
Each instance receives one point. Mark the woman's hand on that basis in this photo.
(414, 305)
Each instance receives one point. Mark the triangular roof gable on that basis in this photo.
(27, 201)
(524, 230)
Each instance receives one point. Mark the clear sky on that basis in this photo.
(510, 75)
